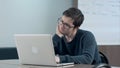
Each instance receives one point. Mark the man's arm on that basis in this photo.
(56, 42)
(87, 57)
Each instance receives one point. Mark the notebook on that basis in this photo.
(36, 49)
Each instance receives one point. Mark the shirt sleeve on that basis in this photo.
(88, 51)
(56, 41)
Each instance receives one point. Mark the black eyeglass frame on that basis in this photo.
(65, 24)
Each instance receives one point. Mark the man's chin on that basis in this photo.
(64, 33)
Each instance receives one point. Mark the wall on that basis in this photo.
(29, 16)
(102, 17)
(113, 54)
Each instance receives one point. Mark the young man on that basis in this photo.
(72, 44)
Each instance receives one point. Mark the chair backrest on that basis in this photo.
(102, 65)
(104, 59)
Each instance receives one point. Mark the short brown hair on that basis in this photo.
(76, 15)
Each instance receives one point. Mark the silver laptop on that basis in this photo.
(36, 49)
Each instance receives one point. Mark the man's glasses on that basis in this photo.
(64, 24)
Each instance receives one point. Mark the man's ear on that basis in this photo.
(76, 27)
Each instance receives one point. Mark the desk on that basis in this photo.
(15, 64)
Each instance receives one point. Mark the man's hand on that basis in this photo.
(58, 32)
(57, 59)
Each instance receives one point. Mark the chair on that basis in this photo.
(8, 53)
(103, 58)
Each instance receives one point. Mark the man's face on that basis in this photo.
(65, 25)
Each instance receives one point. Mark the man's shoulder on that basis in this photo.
(83, 32)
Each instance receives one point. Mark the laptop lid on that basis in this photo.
(35, 49)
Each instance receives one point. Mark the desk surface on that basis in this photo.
(15, 64)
